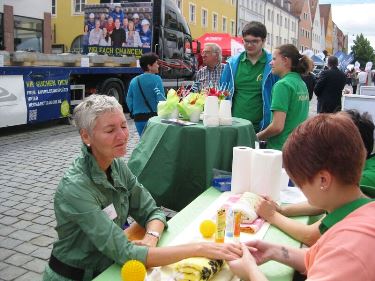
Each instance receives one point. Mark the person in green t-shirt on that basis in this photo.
(290, 97)
(248, 78)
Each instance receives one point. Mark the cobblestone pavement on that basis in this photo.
(32, 161)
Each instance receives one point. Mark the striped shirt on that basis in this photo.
(206, 77)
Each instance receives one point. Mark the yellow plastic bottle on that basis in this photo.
(220, 226)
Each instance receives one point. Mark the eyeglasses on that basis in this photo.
(207, 52)
(252, 42)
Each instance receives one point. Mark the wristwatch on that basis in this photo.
(153, 233)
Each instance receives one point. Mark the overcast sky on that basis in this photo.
(354, 17)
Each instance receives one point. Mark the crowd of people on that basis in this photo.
(117, 29)
(329, 156)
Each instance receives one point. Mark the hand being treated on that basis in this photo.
(225, 251)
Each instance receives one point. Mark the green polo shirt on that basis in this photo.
(368, 177)
(340, 213)
(289, 95)
(247, 99)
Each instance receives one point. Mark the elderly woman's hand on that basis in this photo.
(225, 251)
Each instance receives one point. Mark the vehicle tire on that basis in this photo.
(114, 89)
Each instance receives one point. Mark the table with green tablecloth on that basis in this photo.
(273, 270)
(175, 162)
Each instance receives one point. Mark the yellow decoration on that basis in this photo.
(65, 108)
(133, 270)
(207, 228)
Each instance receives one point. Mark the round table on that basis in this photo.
(175, 162)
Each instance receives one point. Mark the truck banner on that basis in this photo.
(47, 97)
(118, 29)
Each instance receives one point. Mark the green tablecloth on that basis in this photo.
(273, 270)
(175, 162)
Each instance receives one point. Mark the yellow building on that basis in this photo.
(68, 21)
(209, 16)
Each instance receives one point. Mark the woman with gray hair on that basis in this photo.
(98, 193)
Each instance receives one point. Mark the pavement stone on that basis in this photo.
(23, 235)
(26, 248)
(18, 259)
(4, 253)
(36, 265)
(30, 276)
(11, 272)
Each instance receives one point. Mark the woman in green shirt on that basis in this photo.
(290, 97)
(95, 197)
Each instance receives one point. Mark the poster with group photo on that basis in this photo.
(118, 29)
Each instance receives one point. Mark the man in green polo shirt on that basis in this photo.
(249, 79)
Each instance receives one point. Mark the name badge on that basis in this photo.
(110, 211)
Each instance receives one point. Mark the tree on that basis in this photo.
(363, 52)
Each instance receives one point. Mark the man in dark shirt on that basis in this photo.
(329, 87)
(118, 35)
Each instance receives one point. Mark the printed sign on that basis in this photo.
(13, 109)
(47, 97)
(118, 29)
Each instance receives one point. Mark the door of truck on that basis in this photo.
(175, 44)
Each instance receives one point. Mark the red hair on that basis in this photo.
(328, 142)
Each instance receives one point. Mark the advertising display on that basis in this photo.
(118, 29)
(47, 97)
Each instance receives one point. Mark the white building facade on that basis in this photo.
(316, 43)
(282, 26)
(249, 10)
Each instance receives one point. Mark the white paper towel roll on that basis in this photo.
(241, 167)
(265, 174)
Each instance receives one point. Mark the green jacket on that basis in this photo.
(87, 237)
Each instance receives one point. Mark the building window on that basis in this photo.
(179, 4)
(1, 32)
(204, 18)
(53, 7)
(268, 38)
(214, 21)
(224, 24)
(269, 15)
(28, 34)
(192, 15)
(232, 28)
(79, 5)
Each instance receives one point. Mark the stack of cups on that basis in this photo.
(225, 113)
(211, 112)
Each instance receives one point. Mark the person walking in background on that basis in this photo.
(145, 91)
(309, 78)
(354, 77)
(362, 80)
(210, 74)
(249, 79)
(290, 97)
(329, 87)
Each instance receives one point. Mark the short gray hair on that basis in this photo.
(216, 49)
(85, 114)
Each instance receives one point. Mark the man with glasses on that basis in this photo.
(209, 75)
(248, 78)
